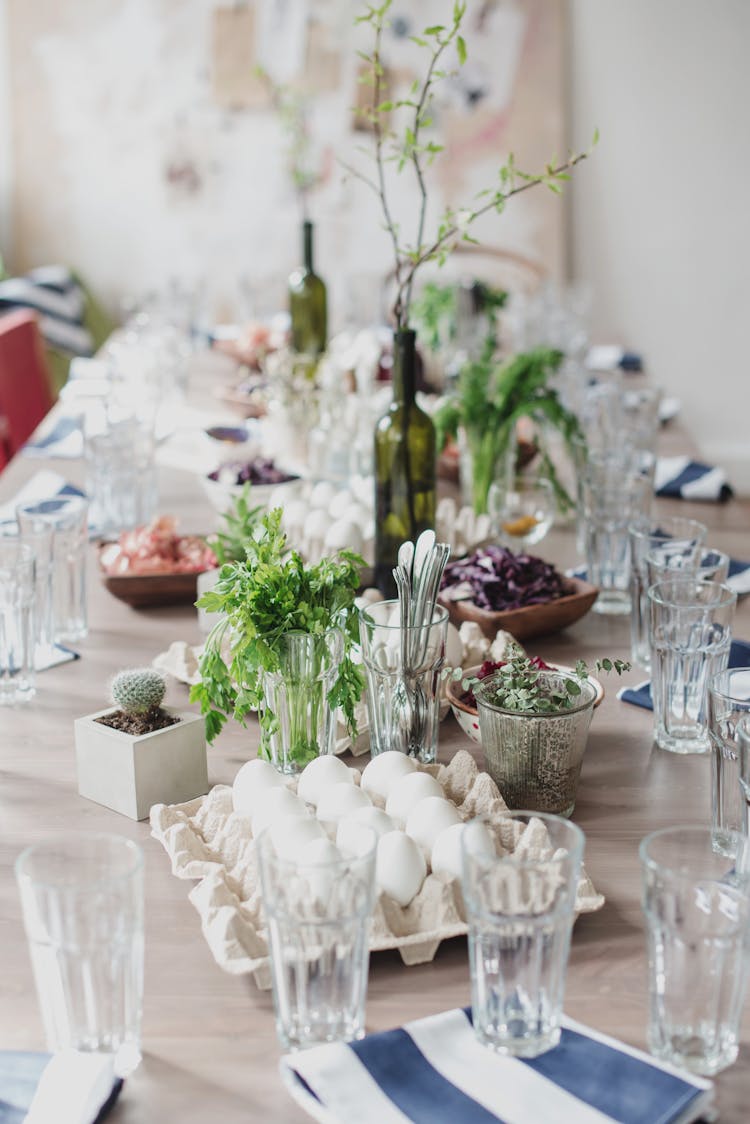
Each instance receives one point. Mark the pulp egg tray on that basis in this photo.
(210, 843)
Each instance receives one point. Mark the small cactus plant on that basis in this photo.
(138, 690)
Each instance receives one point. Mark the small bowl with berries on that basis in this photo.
(270, 483)
(464, 705)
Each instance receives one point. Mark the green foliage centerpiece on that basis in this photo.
(283, 646)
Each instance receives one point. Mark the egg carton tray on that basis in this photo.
(209, 842)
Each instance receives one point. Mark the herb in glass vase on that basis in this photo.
(405, 449)
(283, 646)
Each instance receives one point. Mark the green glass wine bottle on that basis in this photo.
(308, 302)
(405, 467)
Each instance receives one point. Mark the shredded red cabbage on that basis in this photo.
(499, 579)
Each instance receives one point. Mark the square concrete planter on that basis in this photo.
(129, 774)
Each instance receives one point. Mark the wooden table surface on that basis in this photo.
(210, 1048)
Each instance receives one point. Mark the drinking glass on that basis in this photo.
(728, 704)
(38, 534)
(646, 534)
(121, 476)
(403, 704)
(616, 488)
(640, 416)
(521, 512)
(695, 898)
(743, 743)
(318, 920)
(58, 528)
(520, 909)
(82, 899)
(17, 630)
(690, 634)
(670, 560)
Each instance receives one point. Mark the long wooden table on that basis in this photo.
(210, 1049)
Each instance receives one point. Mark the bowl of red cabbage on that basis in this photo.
(270, 484)
(519, 593)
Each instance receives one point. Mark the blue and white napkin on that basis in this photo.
(434, 1071)
(684, 479)
(39, 1089)
(738, 579)
(43, 485)
(55, 295)
(612, 357)
(640, 694)
(64, 440)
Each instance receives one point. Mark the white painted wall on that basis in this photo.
(6, 151)
(661, 213)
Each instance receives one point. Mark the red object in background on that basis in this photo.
(25, 395)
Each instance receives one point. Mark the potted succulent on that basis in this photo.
(140, 753)
(534, 726)
(288, 629)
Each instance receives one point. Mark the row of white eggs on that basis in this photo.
(419, 826)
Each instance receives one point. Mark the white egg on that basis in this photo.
(316, 524)
(356, 514)
(384, 770)
(427, 819)
(343, 535)
(320, 774)
(278, 802)
(251, 784)
(340, 502)
(278, 497)
(352, 834)
(295, 514)
(319, 869)
(446, 850)
(363, 489)
(408, 791)
(341, 800)
(321, 495)
(400, 868)
(292, 836)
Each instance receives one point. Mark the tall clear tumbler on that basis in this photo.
(403, 703)
(520, 910)
(82, 898)
(318, 921)
(17, 627)
(645, 535)
(690, 631)
(728, 704)
(697, 908)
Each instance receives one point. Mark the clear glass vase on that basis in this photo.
(297, 721)
(535, 760)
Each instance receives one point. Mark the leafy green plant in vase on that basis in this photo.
(534, 727)
(405, 445)
(289, 630)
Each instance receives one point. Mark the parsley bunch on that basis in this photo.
(269, 594)
(519, 686)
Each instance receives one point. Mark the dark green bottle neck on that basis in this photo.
(404, 367)
(307, 245)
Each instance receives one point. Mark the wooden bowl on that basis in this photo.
(147, 591)
(532, 620)
(466, 715)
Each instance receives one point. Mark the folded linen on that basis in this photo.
(59, 300)
(738, 579)
(434, 1071)
(67, 1088)
(640, 694)
(64, 440)
(685, 479)
(44, 485)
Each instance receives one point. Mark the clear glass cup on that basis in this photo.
(318, 922)
(743, 751)
(403, 709)
(520, 909)
(121, 476)
(82, 899)
(521, 512)
(17, 626)
(616, 488)
(535, 760)
(297, 695)
(671, 560)
(697, 908)
(58, 528)
(640, 416)
(645, 534)
(690, 631)
(38, 534)
(728, 703)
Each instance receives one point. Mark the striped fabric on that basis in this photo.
(683, 479)
(60, 302)
(738, 578)
(640, 694)
(434, 1071)
(38, 1088)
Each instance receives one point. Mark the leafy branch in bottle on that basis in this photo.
(289, 106)
(409, 149)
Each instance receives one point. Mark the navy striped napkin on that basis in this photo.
(33, 1087)
(64, 440)
(640, 695)
(56, 296)
(434, 1071)
(43, 485)
(683, 479)
(738, 579)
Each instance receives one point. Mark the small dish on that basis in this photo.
(149, 591)
(221, 495)
(531, 620)
(466, 715)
